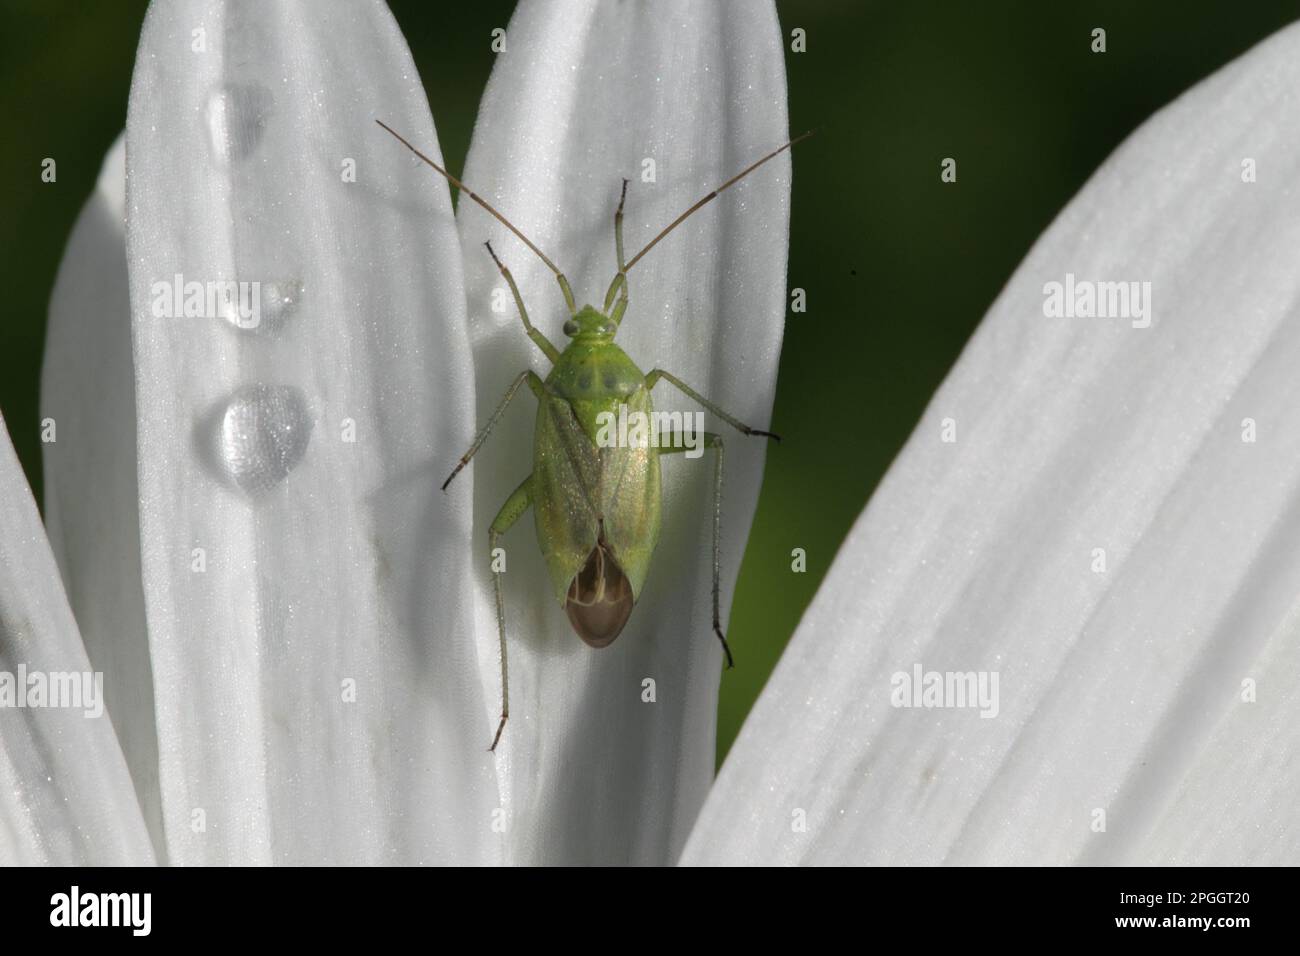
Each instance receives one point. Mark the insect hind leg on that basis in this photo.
(674, 446)
(516, 505)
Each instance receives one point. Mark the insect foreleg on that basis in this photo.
(618, 233)
(538, 338)
(619, 307)
(620, 280)
(539, 388)
(689, 392)
(510, 512)
(673, 446)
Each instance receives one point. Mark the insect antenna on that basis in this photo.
(705, 200)
(559, 276)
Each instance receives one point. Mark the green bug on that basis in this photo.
(597, 507)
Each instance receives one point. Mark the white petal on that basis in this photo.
(1119, 691)
(91, 506)
(584, 95)
(65, 794)
(332, 567)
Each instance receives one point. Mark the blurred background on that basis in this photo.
(898, 267)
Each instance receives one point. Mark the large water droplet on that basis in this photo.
(236, 117)
(262, 434)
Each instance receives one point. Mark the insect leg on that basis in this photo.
(510, 512)
(618, 231)
(620, 280)
(674, 446)
(534, 382)
(541, 340)
(620, 306)
(686, 390)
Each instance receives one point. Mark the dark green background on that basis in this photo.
(898, 267)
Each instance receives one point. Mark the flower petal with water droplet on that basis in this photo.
(308, 606)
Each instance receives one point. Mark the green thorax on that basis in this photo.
(595, 375)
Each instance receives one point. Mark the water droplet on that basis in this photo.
(262, 434)
(267, 308)
(236, 116)
(280, 300)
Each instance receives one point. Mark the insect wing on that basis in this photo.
(566, 482)
(576, 484)
(631, 496)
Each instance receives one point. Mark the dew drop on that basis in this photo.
(280, 300)
(236, 116)
(262, 434)
(269, 310)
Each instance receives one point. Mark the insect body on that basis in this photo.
(598, 553)
(596, 504)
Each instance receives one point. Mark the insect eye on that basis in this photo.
(609, 328)
(570, 327)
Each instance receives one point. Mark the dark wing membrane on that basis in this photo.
(599, 601)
